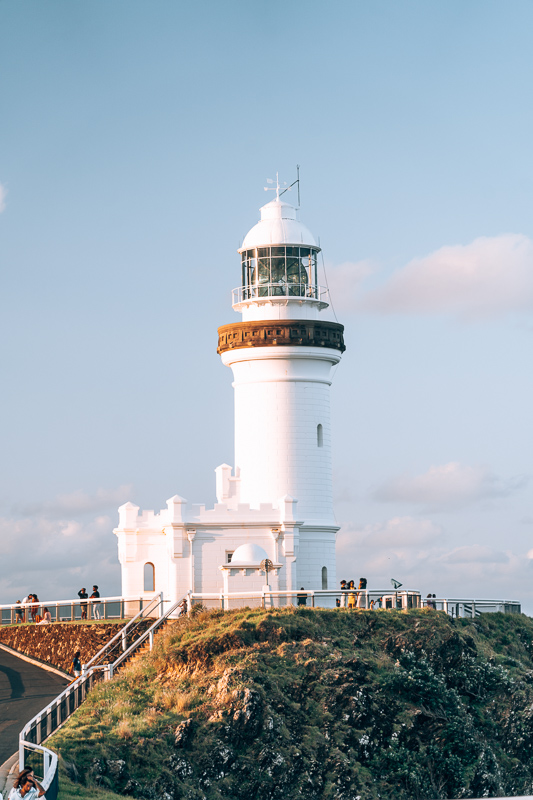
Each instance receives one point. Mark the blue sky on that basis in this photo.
(135, 141)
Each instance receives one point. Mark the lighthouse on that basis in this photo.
(276, 502)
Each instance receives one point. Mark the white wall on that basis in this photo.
(281, 396)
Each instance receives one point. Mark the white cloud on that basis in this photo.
(447, 485)
(397, 533)
(79, 502)
(54, 558)
(344, 281)
(489, 277)
(3, 193)
(476, 554)
(424, 557)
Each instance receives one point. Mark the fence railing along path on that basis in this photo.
(102, 666)
(73, 610)
(358, 598)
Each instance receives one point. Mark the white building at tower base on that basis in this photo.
(276, 503)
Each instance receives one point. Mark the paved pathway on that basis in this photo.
(24, 690)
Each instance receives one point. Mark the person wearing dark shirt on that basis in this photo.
(82, 594)
(301, 598)
(76, 664)
(95, 603)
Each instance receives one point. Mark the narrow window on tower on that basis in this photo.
(324, 577)
(319, 435)
(149, 577)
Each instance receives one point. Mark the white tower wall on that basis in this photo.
(281, 399)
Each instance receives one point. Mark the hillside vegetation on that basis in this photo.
(315, 704)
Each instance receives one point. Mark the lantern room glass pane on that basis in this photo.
(277, 269)
(263, 270)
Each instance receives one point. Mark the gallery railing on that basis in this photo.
(282, 289)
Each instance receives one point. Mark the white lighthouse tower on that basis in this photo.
(277, 504)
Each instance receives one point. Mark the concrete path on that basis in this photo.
(24, 690)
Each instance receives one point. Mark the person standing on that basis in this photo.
(344, 587)
(82, 594)
(361, 595)
(351, 594)
(96, 603)
(34, 608)
(25, 609)
(301, 598)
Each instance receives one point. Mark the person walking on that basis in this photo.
(26, 787)
(95, 603)
(82, 594)
(76, 664)
(19, 613)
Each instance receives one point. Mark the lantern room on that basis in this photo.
(279, 258)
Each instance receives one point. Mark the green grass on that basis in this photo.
(69, 790)
(314, 703)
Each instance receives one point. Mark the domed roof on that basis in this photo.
(278, 225)
(248, 554)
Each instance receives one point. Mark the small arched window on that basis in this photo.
(149, 577)
(319, 435)
(324, 577)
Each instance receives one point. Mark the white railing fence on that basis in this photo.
(106, 608)
(369, 599)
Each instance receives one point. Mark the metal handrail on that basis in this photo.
(77, 690)
(149, 634)
(123, 632)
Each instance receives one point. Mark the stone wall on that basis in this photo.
(55, 644)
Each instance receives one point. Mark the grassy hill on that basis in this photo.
(315, 704)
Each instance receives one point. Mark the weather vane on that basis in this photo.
(275, 188)
(284, 188)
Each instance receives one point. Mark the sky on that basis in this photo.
(135, 142)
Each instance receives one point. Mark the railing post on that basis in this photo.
(72, 612)
(312, 599)
(124, 641)
(473, 609)
(189, 602)
(151, 639)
